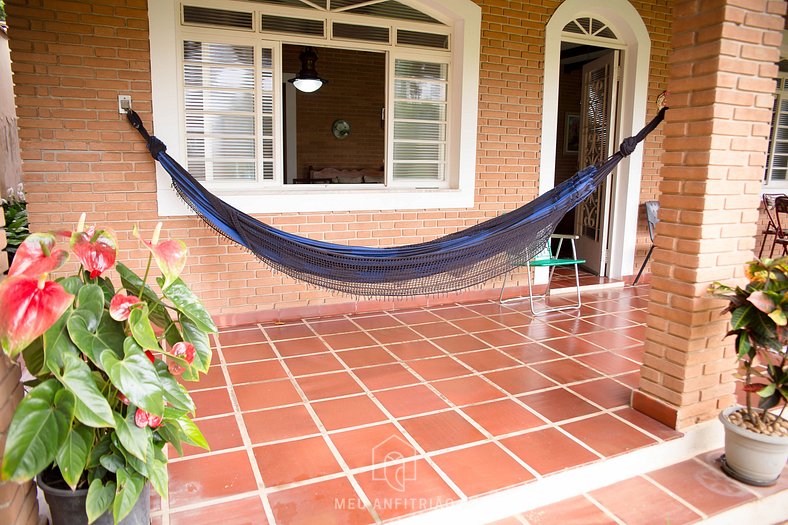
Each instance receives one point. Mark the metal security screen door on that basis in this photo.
(599, 92)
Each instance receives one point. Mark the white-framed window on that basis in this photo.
(776, 175)
(222, 103)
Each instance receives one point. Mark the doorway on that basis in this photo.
(576, 35)
(587, 108)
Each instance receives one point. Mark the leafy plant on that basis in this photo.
(105, 399)
(759, 322)
(16, 221)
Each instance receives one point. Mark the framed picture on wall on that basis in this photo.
(572, 133)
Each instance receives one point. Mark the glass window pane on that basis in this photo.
(207, 52)
(420, 70)
(417, 151)
(234, 170)
(414, 90)
(218, 101)
(219, 124)
(419, 111)
(418, 171)
(419, 131)
(218, 76)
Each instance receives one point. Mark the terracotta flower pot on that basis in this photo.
(752, 458)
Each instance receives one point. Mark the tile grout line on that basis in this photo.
(324, 433)
(609, 513)
(455, 408)
(673, 495)
(395, 421)
(247, 441)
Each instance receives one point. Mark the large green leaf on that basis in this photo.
(73, 454)
(188, 303)
(35, 357)
(100, 498)
(132, 283)
(157, 474)
(91, 301)
(92, 407)
(202, 346)
(93, 338)
(71, 284)
(174, 393)
(189, 431)
(130, 485)
(171, 433)
(113, 462)
(100, 449)
(141, 328)
(35, 434)
(133, 438)
(136, 378)
(57, 343)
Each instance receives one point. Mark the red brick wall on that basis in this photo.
(355, 92)
(71, 59)
(17, 501)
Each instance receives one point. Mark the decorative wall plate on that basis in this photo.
(340, 128)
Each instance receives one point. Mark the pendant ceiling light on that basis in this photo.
(307, 79)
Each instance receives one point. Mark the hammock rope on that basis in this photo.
(453, 262)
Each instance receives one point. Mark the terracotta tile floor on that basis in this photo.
(360, 419)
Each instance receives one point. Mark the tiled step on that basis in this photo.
(673, 482)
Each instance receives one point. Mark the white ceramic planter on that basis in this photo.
(752, 458)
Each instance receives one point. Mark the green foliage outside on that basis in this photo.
(16, 222)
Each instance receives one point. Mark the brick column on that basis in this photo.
(721, 95)
(18, 504)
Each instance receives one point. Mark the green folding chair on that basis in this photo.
(548, 259)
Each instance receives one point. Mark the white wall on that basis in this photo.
(10, 161)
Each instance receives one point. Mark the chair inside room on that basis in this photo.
(652, 210)
(771, 225)
(547, 258)
(781, 224)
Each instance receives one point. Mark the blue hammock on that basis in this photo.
(453, 262)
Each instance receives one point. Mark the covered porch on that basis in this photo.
(466, 412)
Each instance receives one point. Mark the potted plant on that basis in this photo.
(16, 223)
(756, 438)
(105, 398)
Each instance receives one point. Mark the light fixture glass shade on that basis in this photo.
(307, 85)
(307, 79)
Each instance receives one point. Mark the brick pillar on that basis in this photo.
(18, 504)
(721, 95)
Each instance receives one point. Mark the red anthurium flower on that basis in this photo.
(28, 307)
(141, 418)
(37, 255)
(175, 369)
(96, 252)
(123, 399)
(120, 306)
(170, 256)
(184, 350)
(150, 356)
